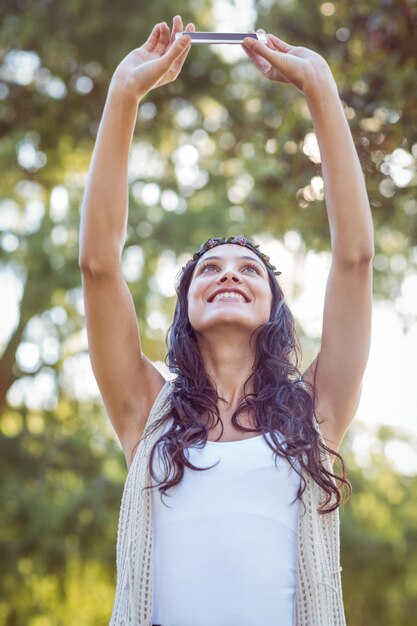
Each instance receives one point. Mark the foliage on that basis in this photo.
(379, 540)
(219, 152)
(61, 489)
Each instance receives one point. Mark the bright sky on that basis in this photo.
(390, 391)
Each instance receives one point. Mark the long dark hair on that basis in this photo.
(281, 400)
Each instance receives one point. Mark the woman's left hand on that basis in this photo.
(283, 63)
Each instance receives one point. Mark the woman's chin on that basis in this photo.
(227, 320)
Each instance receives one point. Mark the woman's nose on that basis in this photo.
(229, 276)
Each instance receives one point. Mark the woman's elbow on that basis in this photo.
(95, 268)
(360, 259)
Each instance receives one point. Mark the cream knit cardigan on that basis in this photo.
(318, 600)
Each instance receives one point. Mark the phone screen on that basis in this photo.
(236, 38)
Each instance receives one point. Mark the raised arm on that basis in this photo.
(337, 371)
(128, 381)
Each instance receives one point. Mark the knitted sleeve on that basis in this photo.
(133, 599)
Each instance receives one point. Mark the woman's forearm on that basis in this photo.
(105, 203)
(345, 192)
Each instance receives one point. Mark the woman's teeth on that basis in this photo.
(229, 295)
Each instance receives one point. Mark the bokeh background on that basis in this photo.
(220, 151)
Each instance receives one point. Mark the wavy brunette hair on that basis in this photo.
(281, 401)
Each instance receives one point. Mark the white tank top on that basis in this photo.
(225, 552)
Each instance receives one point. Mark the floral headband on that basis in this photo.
(240, 241)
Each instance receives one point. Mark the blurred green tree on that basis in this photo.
(63, 477)
(220, 151)
(379, 537)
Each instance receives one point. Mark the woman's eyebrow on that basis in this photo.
(219, 258)
(251, 258)
(209, 258)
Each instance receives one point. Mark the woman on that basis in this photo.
(241, 443)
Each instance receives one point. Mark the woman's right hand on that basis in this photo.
(157, 62)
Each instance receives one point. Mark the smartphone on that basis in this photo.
(221, 37)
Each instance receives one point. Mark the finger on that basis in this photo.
(262, 65)
(258, 31)
(268, 42)
(153, 38)
(163, 41)
(279, 43)
(177, 66)
(273, 56)
(181, 59)
(177, 27)
(190, 28)
(180, 46)
(267, 61)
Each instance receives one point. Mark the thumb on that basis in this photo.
(172, 54)
(289, 66)
(274, 57)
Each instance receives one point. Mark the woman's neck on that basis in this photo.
(229, 362)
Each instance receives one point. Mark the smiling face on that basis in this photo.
(229, 286)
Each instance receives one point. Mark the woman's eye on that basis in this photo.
(207, 268)
(252, 268)
(249, 267)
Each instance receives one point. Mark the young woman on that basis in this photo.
(241, 443)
